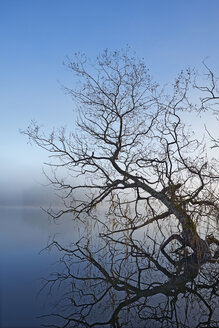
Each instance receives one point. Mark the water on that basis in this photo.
(24, 233)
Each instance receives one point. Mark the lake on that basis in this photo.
(25, 231)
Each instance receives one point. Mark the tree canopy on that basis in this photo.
(135, 171)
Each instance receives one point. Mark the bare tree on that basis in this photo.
(209, 99)
(135, 173)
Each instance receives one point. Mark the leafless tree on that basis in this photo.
(209, 99)
(134, 172)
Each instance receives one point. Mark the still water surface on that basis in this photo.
(25, 231)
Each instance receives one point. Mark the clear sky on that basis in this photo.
(36, 36)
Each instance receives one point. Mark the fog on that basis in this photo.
(24, 194)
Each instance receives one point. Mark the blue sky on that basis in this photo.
(37, 35)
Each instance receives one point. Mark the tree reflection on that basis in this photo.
(122, 282)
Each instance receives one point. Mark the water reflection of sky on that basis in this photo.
(24, 232)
